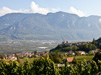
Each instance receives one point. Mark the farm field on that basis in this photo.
(81, 58)
(78, 58)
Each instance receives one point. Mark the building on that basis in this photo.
(11, 57)
(92, 51)
(71, 52)
(64, 53)
(69, 60)
(82, 52)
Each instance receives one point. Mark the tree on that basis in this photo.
(87, 47)
(1, 56)
(97, 56)
(94, 41)
(44, 66)
(59, 46)
(35, 52)
(56, 57)
(74, 61)
(18, 59)
(74, 48)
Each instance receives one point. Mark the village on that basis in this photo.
(37, 54)
(23, 55)
(71, 56)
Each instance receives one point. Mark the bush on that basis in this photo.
(56, 57)
(97, 56)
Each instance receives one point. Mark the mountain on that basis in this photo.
(53, 26)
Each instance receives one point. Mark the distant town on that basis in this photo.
(64, 44)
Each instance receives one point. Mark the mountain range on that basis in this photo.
(53, 26)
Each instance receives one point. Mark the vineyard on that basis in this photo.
(45, 66)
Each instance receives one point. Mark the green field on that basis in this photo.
(81, 58)
(78, 58)
(30, 60)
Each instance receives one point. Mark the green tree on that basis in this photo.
(56, 57)
(44, 66)
(35, 52)
(97, 56)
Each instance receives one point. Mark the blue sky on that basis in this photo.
(79, 7)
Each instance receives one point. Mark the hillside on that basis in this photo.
(77, 46)
(53, 26)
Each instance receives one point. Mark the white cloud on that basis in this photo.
(77, 12)
(6, 10)
(55, 10)
(36, 9)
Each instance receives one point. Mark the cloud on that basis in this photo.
(6, 10)
(77, 12)
(36, 9)
(55, 10)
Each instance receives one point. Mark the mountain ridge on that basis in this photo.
(53, 26)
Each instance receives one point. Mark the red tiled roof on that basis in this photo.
(70, 59)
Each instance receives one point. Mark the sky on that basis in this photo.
(80, 7)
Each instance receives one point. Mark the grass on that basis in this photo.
(81, 58)
(30, 60)
(78, 58)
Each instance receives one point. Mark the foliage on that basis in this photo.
(81, 68)
(1, 56)
(81, 58)
(83, 47)
(87, 47)
(35, 52)
(97, 42)
(97, 56)
(45, 66)
(73, 48)
(56, 57)
(74, 61)
(77, 53)
(18, 59)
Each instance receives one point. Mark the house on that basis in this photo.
(20, 54)
(25, 54)
(64, 53)
(92, 51)
(82, 52)
(13, 58)
(40, 53)
(46, 53)
(64, 42)
(60, 65)
(71, 52)
(36, 55)
(69, 60)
